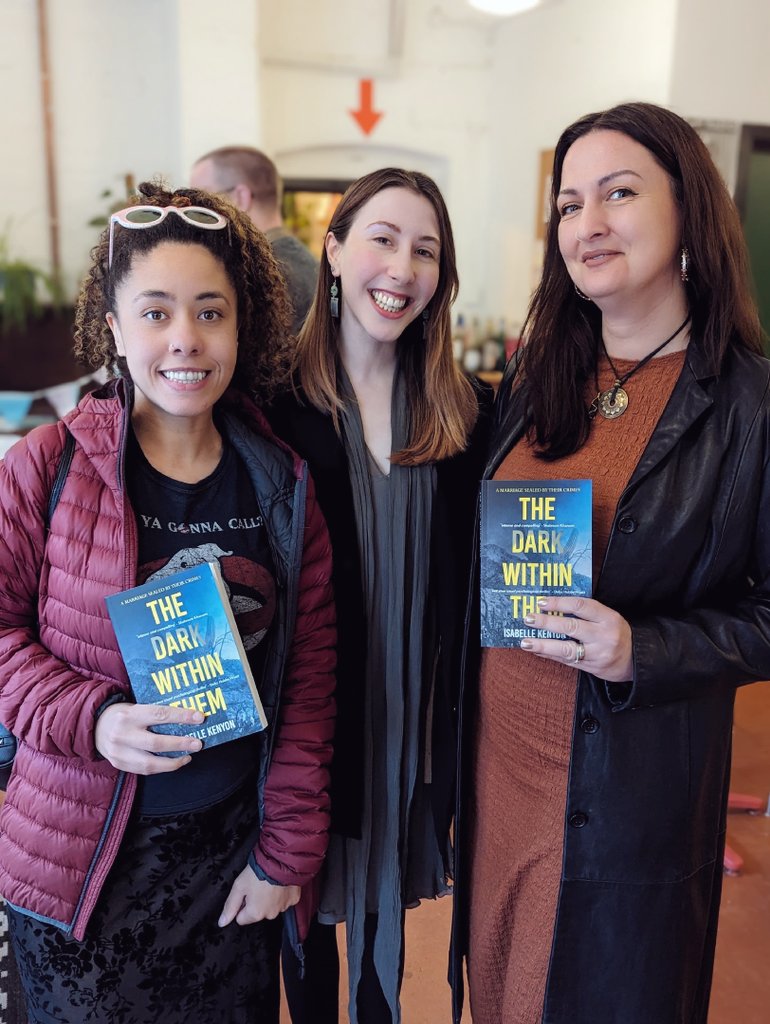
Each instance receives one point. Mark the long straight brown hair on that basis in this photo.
(563, 331)
(441, 400)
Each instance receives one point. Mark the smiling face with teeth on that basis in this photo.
(388, 266)
(175, 324)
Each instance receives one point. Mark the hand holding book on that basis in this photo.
(124, 737)
(601, 634)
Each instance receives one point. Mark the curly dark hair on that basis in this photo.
(264, 311)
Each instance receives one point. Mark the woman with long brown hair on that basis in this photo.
(385, 420)
(596, 766)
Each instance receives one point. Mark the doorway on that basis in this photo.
(308, 205)
(752, 196)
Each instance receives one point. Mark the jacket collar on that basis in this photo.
(100, 422)
(99, 425)
(690, 399)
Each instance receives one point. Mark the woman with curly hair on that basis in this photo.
(145, 887)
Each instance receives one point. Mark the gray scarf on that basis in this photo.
(397, 861)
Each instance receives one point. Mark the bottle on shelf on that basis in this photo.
(512, 339)
(493, 351)
(458, 339)
(484, 347)
(472, 351)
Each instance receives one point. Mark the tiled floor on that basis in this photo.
(741, 993)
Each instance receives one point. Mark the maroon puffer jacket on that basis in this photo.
(66, 808)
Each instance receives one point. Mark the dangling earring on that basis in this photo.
(334, 302)
(425, 319)
(684, 264)
(580, 295)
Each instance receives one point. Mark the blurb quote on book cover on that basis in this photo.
(535, 541)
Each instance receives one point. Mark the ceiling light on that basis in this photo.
(504, 8)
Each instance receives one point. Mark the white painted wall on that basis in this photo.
(468, 98)
(22, 169)
(430, 63)
(705, 59)
(721, 65)
(137, 88)
(218, 77)
(551, 66)
(145, 86)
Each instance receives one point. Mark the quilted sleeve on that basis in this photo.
(48, 701)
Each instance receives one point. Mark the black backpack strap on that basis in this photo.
(65, 461)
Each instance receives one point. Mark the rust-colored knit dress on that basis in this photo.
(524, 735)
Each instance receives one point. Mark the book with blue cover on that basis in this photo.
(181, 647)
(535, 541)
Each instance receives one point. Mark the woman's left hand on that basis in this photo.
(253, 899)
(598, 639)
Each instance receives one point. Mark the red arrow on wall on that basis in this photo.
(366, 116)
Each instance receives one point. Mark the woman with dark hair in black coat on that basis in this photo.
(596, 766)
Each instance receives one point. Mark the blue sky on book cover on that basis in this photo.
(535, 541)
(192, 657)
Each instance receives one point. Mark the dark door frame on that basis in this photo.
(754, 137)
(316, 184)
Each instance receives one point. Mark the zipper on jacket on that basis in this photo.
(104, 856)
(292, 934)
(292, 586)
(118, 813)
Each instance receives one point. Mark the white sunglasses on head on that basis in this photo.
(149, 216)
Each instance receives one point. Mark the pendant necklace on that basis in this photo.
(614, 401)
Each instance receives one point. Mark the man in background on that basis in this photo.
(252, 182)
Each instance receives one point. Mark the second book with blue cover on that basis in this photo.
(535, 541)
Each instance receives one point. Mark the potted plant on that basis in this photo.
(35, 326)
(21, 286)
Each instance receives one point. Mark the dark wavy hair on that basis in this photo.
(562, 331)
(265, 344)
(442, 402)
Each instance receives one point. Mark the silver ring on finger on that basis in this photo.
(580, 651)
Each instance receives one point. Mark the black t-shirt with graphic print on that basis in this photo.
(178, 524)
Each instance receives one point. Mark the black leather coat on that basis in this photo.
(688, 565)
